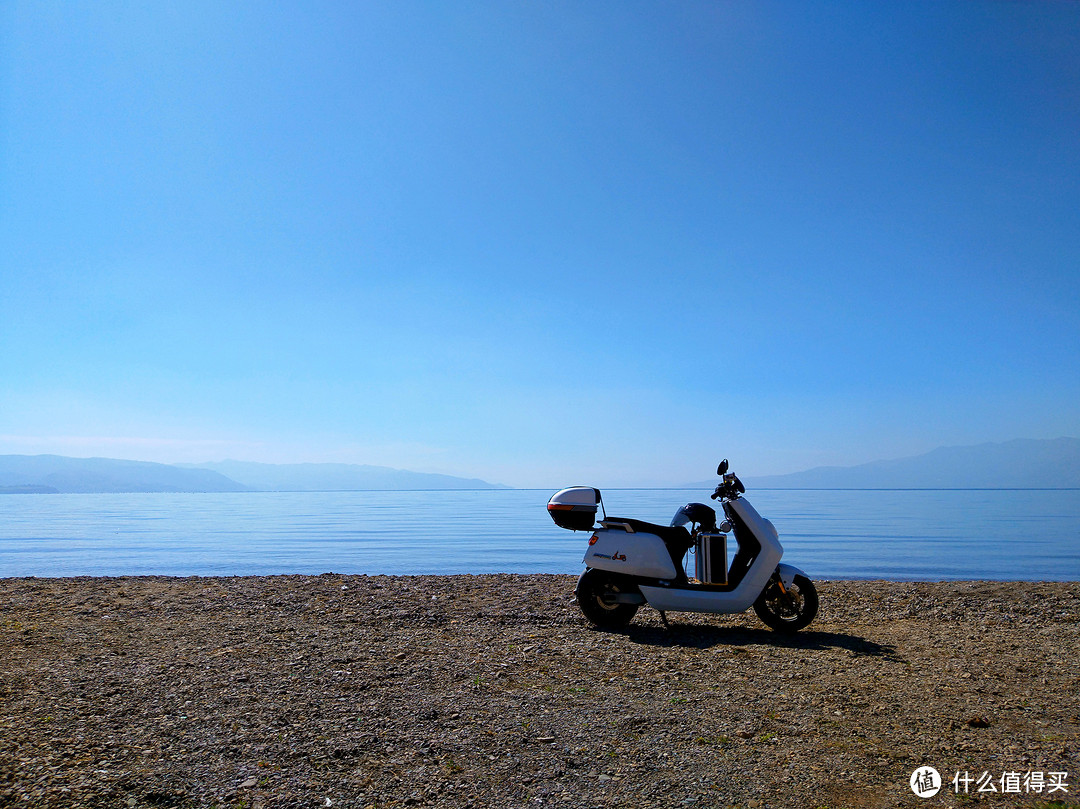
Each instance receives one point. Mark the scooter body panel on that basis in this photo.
(636, 554)
(758, 525)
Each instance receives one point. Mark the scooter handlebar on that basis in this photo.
(731, 484)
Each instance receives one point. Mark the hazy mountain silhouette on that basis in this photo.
(1020, 464)
(37, 474)
(56, 473)
(308, 477)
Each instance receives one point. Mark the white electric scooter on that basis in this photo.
(630, 563)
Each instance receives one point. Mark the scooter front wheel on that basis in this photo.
(790, 608)
(597, 592)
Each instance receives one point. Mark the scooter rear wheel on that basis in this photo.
(788, 611)
(596, 592)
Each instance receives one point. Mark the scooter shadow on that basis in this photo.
(708, 637)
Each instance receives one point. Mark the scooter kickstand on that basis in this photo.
(663, 619)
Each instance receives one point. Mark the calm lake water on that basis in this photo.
(888, 534)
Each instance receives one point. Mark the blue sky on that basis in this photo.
(538, 243)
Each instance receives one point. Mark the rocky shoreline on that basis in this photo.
(491, 691)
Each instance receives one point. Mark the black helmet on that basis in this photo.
(700, 513)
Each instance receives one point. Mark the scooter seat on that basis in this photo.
(671, 534)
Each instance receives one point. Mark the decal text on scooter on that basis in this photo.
(615, 557)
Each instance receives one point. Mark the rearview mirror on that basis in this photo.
(721, 470)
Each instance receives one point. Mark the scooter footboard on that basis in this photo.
(686, 599)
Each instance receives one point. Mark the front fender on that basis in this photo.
(788, 573)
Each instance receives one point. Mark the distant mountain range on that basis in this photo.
(1019, 464)
(39, 474)
(55, 473)
(330, 477)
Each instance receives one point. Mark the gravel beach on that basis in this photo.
(492, 691)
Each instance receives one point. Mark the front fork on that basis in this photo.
(779, 581)
(784, 596)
